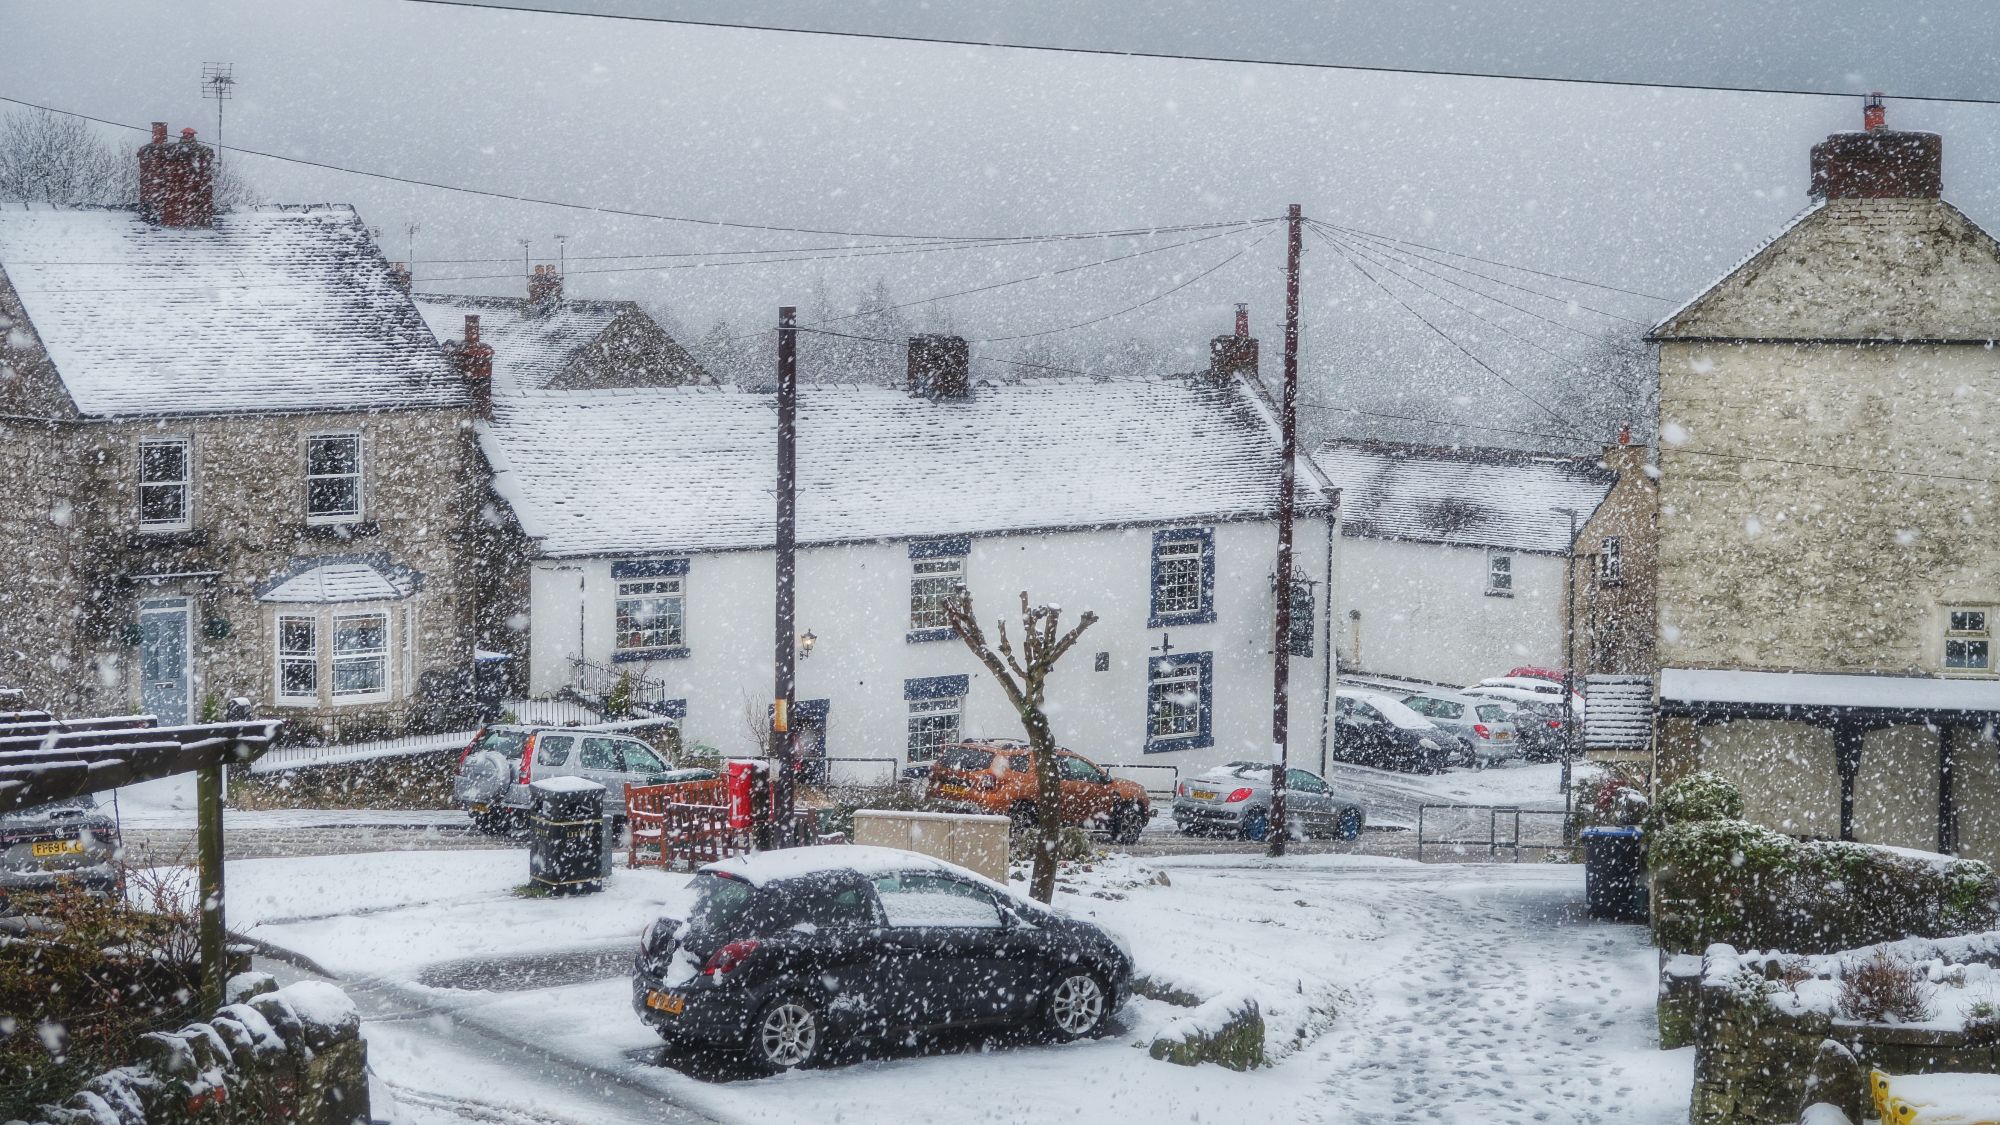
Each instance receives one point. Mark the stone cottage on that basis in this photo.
(241, 464)
(1828, 590)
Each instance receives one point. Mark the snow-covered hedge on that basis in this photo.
(279, 1054)
(1720, 879)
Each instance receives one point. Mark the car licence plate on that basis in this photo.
(477, 806)
(1503, 736)
(668, 1002)
(1203, 794)
(46, 848)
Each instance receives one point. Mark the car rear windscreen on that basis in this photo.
(965, 758)
(506, 743)
(721, 905)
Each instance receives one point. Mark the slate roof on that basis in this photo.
(335, 582)
(684, 469)
(531, 347)
(1856, 269)
(1466, 497)
(270, 309)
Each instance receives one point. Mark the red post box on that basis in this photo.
(744, 777)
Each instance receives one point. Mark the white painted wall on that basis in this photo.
(855, 600)
(1425, 612)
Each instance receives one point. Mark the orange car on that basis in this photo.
(998, 776)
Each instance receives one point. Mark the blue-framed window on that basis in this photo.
(936, 704)
(1183, 577)
(937, 570)
(649, 607)
(1180, 695)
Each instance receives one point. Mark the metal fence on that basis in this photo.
(1492, 833)
(1149, 774)
(853, 773)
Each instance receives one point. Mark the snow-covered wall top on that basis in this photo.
(530, 347)
(1465, 497)
(692, 469)
(1857, 269)
(269, 310)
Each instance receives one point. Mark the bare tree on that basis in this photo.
(1023, 679)
(51, 158)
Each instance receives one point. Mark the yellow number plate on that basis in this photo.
(44, 848)
(1505, 735)
(666, 1002)
(1204, 794)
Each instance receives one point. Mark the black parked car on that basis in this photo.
(1375, 729)
(789, 954)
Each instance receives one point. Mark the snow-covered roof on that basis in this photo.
(1825, 689)
(535, 343)
(692, 469)
(1856, 269)
(269, 309)
(1468, 497)
(342, 580)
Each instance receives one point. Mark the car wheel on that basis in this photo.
(1127, 822)
(1349, 825)
(1256, 824)
(1078, 1006)
(788, 1034)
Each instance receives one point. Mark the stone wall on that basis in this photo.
(293, 1054)
(1615, 620)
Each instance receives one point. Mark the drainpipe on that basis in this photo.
(1332, 607)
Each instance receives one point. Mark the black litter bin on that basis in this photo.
(566, 830)
(1614, 873)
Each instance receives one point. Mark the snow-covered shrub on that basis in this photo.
(1885, 988)
(1699, 796)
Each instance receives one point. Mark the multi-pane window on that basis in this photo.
(1610, 562)
(650, 614)
(360, 654)
(932, 583)
(1183, 577)
(333, 477)
(933, 724)
(1177, 701)
(298, 658)
(1967, 641)
(165, 484)
(1500, 573)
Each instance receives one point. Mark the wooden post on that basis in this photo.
(784, 642)
(1947, 800)
(208, 846)
(1281, 701)
(1847, 740)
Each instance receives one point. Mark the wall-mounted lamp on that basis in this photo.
(806, 643)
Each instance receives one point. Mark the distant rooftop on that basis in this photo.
(269, 309)
(537, 344)
(1468, 497)
(692, 469)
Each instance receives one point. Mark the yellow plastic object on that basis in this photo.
(1878, 1088)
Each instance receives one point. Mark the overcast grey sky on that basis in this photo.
(1653, 190)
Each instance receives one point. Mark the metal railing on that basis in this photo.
(599, 681)
(1493, 828)
(1148, 770)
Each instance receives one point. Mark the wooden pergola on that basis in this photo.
(45, 759)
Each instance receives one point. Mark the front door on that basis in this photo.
(163, 660)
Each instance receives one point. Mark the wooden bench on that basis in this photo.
(685, 822)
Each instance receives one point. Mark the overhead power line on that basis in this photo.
(1163, 294)
(622, 212)
(1511, 266)
(1304, 64)
(1558, 298)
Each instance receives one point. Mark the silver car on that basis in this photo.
(63, 841)
(497, 766)
(1236, 799)
(1483, 727)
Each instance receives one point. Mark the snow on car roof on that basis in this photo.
(764, 868)
(688, 469)
(1392, 709)
(1472, 497)
(269, 309)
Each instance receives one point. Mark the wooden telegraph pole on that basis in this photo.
(784, 648)
(1281, 704)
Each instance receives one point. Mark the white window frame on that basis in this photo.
(931, 708)
(185, 484)
(283, 657)
(1179, 566)
(947, 573)
(1964, 632)
(626, 589)
(378, 656)
(1610, 561)
(359, 476)
(1161, 690)
(1499, 589)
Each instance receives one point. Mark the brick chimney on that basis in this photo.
(472, 361)
(399, 276)
(1624, 456)
(940, 367)
(176, 180)
(1878, 162)
(545, 286)
(1228, 355)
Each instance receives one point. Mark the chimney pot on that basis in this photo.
(1878, 162)
(399, 276)
(159, 132)
(1228, 355)
(471, 329)
(940, 367)
(545, 285)
(1873, 115)
(1242, 320)
(1624, 433)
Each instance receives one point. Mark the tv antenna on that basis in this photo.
(218, 84)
